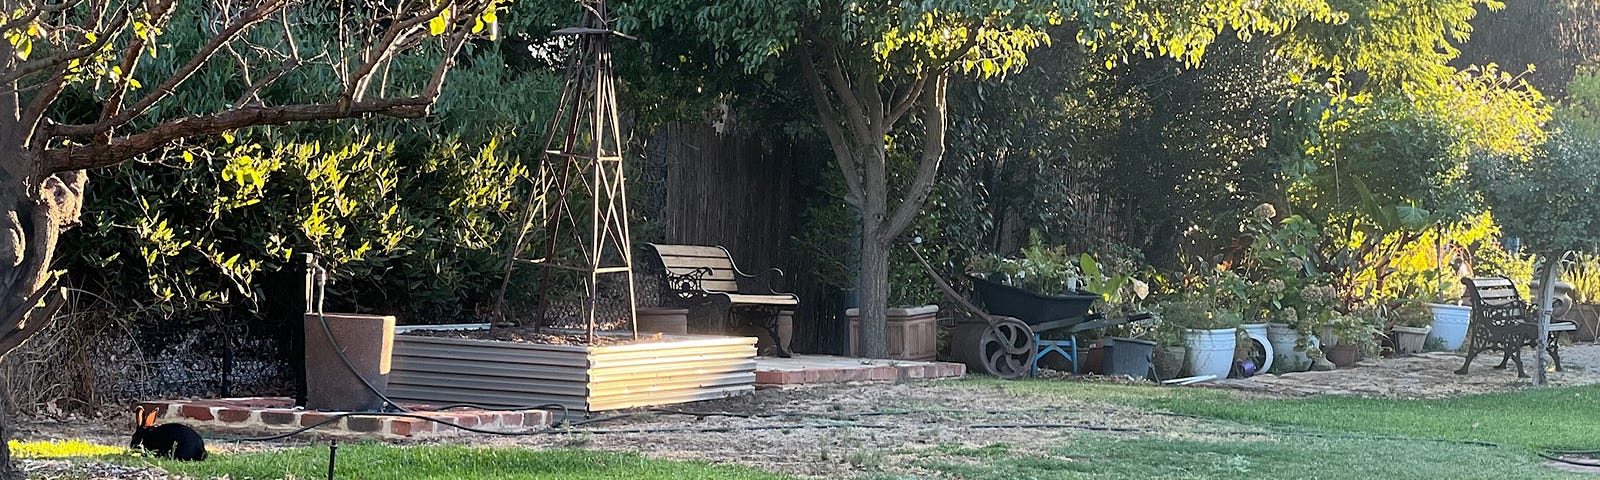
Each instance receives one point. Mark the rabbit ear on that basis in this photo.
(138, 416)
(148, 420)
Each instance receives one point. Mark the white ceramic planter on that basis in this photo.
(1450, 324)
(1258, 333)
(1211, 351)
(1409, 340)
(1283, 339)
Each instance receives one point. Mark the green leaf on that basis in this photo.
(1412, 217)
(1089, 266)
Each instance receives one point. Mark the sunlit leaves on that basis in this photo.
(437, 25)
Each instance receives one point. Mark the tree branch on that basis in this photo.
(64, 57)
(906, 100)
(199, 59)
(843, 149)
(79, 157)
(393, 37)
(934, 118)
(33, 319)
(855, 116)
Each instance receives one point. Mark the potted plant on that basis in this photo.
(1172, 349)
(1409, 324)
(1209, 334)
(1583, 274)
(1441, 292)
(1291, 294)
(1357, 334)
(1303, 310)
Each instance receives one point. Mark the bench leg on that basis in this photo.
(770, 324)
(1516, 356)
(1555, 350)
(1473, 349)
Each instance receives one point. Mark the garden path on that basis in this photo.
(1427, 375)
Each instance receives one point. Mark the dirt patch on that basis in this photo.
(841, 431)
(529, 335)
(1427, 375)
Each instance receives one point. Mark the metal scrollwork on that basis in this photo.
(688, 285)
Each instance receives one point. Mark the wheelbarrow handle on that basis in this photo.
(945, 286)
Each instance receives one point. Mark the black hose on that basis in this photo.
(1573, 452)
(334, 343)
(1554, 458)
(321, 292)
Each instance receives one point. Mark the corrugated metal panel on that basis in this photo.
(481, 382)
(680, 369)
(668, 398)
(525, 357)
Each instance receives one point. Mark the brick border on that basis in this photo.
(269, 415)
(864, 373)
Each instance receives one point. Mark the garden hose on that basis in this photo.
(320, 293)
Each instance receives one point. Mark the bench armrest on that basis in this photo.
(764, 284)
(687, 284)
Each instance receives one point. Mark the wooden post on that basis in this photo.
(1547, 293)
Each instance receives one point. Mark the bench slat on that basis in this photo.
(1491, 282)
(719, 285)
(684, 263)
(762, 299)
(689, 251)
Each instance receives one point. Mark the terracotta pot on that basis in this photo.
(1094, 360)
(785, 331)
(1343, 356)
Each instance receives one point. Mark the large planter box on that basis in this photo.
(367, 342)
(913, 333)
(677, 369)
(1587, 316)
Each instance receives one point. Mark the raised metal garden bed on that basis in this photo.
(673, 369)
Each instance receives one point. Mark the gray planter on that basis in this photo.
(680, 368)
(365, 340)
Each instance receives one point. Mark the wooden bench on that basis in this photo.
(705, 278)
(1501, 321)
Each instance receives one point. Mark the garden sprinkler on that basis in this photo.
(333, 453)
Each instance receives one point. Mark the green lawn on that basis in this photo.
(1097, 456)
(1546, 418)
(379, 461)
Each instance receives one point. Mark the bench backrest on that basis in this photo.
(1495, 299)
(680, 259)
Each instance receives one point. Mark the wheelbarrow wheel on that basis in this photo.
(1004, 349)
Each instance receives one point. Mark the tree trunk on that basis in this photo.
(7, 470)
(874, 295)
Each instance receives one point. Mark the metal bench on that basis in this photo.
(1501, 321)
(705, 278)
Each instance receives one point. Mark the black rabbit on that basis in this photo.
(170, 440)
